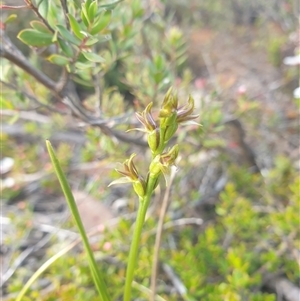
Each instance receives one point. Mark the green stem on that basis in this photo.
(133, 253)
(96, 274)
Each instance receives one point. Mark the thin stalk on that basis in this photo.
(133, 253)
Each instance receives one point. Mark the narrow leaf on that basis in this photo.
(10, 18)
(83, 17)
(43, 7)
(58, 59)
(39, 26)
(65, 47)
(75, 27)
(67, 35)
(93, 57)
(87, 4)
(92, 11)
(83, 66)
(54, 39)
(97, 276)
(35, 38)
(84, 12)
(101, 22)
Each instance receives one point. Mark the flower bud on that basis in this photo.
(139, 187)
(168, 159)
(155, 167)
(170, 131)
(146, 118)
(153, 140)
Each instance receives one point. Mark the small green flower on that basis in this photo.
(146, 118)
(184, 113)
(150, 127)
(163, 163)
(168, 158)
(130, 170)
(170, 108)
(153, 140)
(131, 175)
(171, 115)
(169, 105)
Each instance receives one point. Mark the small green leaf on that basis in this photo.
(65, 47)
(39, 26)
(92, 11)
(83, 66)
(84, 13)
(58, 59)
(93, 57)
(84, 18)
(54, 39)
(10, 18)
(67, 35)
(35, 38)
(75, 27)
(101, 22)
(159, 62)
(43, 7)
(83, 82)
(87, 4)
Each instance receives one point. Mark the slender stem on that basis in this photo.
(133, 253)
(36, 11)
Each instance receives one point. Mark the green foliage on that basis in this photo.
(35, 38)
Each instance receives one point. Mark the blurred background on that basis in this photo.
(232, 227)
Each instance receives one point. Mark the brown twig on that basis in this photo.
(67, 95)
(29, 96)
(3, 6)
(177, 283)
(36, 11)
(27, 116)
(64, 6)
(14, 55)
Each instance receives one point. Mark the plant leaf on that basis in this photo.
(92, 10)
(75, 27)
(67, 35)
(58, 59)
(123, 180)
(101, 22)
(44, 8)
(96, 274)
(83, 66)
(39, 26)
(65, 47)
(10, 18)
(35, 38)
(84, 19)
(93, 57)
